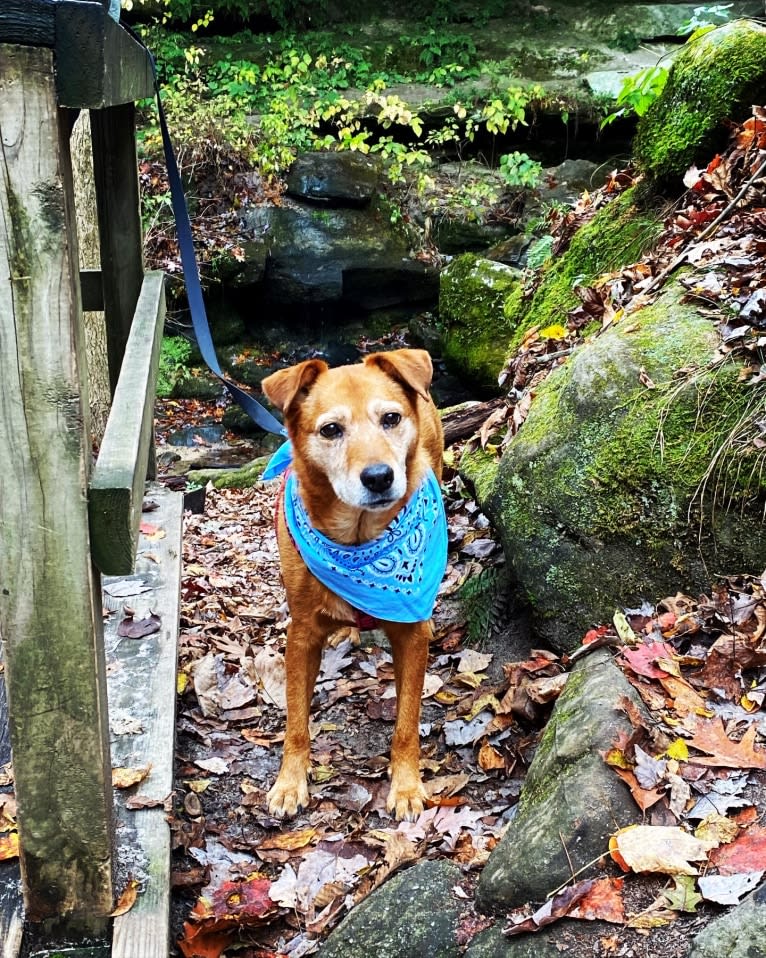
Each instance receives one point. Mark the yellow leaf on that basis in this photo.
(127, 777)
(9, 846)
(290, 841)
(182, 681)
(554, 331)
(198, 785)
(471, 679)
(678, 750)
(482, 702)
(624, 631)
(322, 773)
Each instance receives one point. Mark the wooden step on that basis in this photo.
(142, 693)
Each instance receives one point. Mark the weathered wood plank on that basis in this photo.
(142, 686)
(115, 172)
(116, 488)
(50, 609)
(31, 22)
(98, 63)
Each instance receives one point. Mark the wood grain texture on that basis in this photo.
(142, 690)
(28, 21)
(98, 63)
(50, 610)
(116, 488)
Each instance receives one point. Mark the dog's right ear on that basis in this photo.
(285, 386)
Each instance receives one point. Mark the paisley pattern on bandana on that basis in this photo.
(394, 577)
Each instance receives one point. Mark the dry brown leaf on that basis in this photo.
(710, 736)
(666, 849)
(126, 900)
(289, 841)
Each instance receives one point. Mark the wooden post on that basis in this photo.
(50, 604)
(115, 170)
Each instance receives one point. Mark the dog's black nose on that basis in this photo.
(377, 478)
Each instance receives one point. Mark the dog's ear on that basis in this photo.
(286, 385)
(410, 367)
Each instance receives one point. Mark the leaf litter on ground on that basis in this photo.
(697, 664)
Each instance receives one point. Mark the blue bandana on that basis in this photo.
(394, 577)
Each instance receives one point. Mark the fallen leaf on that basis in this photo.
(131, 628)
(667, 849)
(216, 765)
(126, 900)
(127, 777)
(290, 840)
(269, 670)
(9, 846)
(683, 896)
(710, 736)
(729, 889)
(747, 853)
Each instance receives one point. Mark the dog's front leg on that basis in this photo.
(409, 644)
(303, 657)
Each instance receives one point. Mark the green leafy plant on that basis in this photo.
(706, 18)
(175, 354)
(638, 92)
(520, 170)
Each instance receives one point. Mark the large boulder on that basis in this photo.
(627, 480)
(571, 801)
(716, 78)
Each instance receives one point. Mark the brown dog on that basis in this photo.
(364, 437)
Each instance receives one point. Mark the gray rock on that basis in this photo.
(328, 255)
(551, 942)
(571, 801)
(597, 497)
(741, 933)
(342, 179)
(414, 915)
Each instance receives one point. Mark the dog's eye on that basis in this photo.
(391, 419)
(331, 430)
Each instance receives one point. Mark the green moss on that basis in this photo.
(716, 77)
(480, 469)
(241, 478)
(605, 466)
(475, 331)
(616, 236)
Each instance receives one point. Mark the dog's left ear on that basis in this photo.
(410, 367)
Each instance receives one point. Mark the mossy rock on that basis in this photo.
(474, 330)
(618, 235)
(613, 492)
(716, 77)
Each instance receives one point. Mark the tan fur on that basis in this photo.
(357, 406)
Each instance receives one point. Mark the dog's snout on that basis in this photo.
(378, 477)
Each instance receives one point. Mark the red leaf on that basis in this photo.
(747, 853)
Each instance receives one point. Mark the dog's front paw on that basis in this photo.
(288, 795)
(406, 800)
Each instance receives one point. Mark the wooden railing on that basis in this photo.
(62, 521)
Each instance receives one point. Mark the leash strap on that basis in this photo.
(258, 413)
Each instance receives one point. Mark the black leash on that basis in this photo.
(258, 413)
